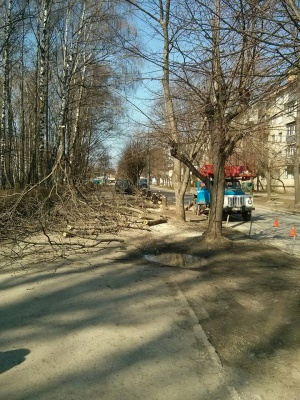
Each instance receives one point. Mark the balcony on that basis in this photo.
(291, 139)
(289, 160)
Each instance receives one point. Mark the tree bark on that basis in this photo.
(6, 123)
(43, 83)
(214, 230)
(179, 186)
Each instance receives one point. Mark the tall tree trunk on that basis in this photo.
(179, 186)
(214, 230)
(43, 74)
(5, 114)
(75, 156)
(59, 148)
(21, 151)
(218, 130)
(3, 137)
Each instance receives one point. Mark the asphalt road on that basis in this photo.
(103, 326)
(108, 325)
(263, 227)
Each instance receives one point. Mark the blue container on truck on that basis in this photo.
(203, 195)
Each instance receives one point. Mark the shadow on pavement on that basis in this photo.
(9, 359)
(113, 326)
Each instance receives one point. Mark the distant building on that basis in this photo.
(281, 114)
(270, 138)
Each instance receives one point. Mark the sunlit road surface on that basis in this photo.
(263, 227)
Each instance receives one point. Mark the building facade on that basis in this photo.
(278, 115)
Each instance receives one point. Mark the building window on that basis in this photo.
(290, 170)
(290, 150)
(285, 174)
(280, 137)
(291, 129)
(273, 138)
(290, 107)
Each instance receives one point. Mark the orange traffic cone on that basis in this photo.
(276, 223)
(293, 232)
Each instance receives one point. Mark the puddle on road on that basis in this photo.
(177, 260)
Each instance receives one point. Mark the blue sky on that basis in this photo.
(140, 101)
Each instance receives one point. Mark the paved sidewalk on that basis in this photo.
(278, 202)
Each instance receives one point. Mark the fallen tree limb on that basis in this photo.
(155, 221)
(189, 206)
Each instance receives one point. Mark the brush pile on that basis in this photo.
(60, 220)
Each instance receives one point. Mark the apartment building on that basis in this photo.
(278, 113)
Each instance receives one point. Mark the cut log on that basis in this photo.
(155, 221)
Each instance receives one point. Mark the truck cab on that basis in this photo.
(236, 201)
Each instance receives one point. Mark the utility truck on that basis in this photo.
(236, 201)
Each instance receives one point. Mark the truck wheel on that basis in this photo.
(246, 216)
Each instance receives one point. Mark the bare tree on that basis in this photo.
(133, 160)
(59, 84)
(160, 18)
(221, 62)
(6, 114)
(43, 84)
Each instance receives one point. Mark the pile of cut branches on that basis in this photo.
(50, 223)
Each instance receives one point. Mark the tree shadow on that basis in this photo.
(125, 292)
(251, 296)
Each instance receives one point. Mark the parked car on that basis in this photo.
(123, 186)
(143, 183)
